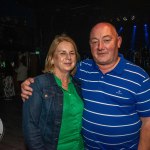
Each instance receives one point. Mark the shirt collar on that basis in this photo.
(59, 81)
(120, 66)
(118, 69)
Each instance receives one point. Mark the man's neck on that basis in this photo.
(109, 67)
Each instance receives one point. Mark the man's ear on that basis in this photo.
(119, 41)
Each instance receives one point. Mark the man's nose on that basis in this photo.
(100, 45)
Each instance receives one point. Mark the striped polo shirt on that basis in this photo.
(113, 104)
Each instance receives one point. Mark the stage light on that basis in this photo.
(133, 37)
(120, 30)
(145, 25)
(133, 17)
(118, 19)
(125, 18)
(146, 35)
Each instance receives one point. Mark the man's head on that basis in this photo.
(104, 43)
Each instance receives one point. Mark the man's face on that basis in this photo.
(104, 43)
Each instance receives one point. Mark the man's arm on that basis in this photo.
(144, 143)
(26, 90)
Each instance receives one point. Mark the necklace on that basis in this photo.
(65, 84)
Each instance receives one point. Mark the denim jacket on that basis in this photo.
(42, 113)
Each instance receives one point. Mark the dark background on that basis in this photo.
(27, 28)
(30, 25)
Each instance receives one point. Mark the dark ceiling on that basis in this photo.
(27, 24)
(138, 6)
(108, 7)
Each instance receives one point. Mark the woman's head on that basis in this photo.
(62, 55)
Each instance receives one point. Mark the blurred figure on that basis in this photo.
(8, 82)
(22, 73)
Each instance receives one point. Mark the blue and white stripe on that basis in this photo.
(114, 103)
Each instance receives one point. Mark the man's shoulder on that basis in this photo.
(86, 62)
(136, 69)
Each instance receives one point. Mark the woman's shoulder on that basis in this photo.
(44, 79)
(43, 76)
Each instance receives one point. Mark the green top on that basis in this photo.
(70, 137)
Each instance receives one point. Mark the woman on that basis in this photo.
(52, 115)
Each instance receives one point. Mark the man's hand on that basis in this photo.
(26, 90)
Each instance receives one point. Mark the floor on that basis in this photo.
(11, 116)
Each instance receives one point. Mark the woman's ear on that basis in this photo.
(52, 61)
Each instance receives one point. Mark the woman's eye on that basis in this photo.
(62, 53)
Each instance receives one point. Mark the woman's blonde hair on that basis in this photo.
(49, 66)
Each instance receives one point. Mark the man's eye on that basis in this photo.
(94, 42)
(107, 40)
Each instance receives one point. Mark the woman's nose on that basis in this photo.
(68, 56)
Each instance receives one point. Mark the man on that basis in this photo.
(116, 95)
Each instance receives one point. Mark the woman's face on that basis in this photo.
(64, 58)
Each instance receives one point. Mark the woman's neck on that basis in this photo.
(64, 79)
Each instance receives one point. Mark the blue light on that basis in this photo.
(146, 44)
(120, 30)
(133, 37)
(145, 25)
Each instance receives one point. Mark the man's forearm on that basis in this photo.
(144, 143)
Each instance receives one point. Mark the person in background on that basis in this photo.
(52, 116)
(21, 73)
(8, 82)
(116, 95)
